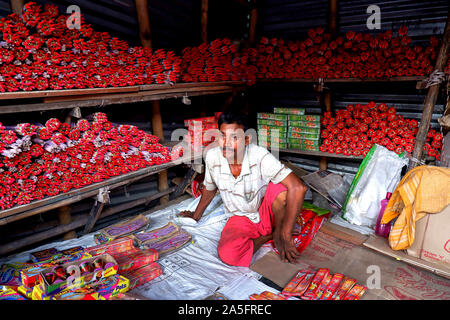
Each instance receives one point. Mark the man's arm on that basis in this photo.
(205, 200)
(296, 191)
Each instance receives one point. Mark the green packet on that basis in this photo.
(273, 116)
(267, 144)
(317, 210)
(304, 124)
(297, 111)
(303, 147)
(272, 138)
(307, 142)
(267, 128)
(306, 117)
(309, 136)
(304, 130)
(272, 122)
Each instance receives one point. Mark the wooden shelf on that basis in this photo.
(346, 80)
(321, 154)
(67, 99)
(75, 195)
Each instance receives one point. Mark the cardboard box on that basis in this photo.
(304, 142)
(273, 116)
(44, 255)
(143, 275)
(79, 282)
(30, 276)
(122, 229)
(10, 294)
(432, 238)
(268, 128)
(303, 147)
(272, 122)
(136, 260)
(306, 117)
(304, 123)
(297, 111)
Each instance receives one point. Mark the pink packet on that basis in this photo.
(355, 293)
(346, 285)
(290, 287)
(323, 285)
(310, 293)
(332, 286)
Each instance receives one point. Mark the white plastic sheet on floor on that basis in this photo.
(193, 272)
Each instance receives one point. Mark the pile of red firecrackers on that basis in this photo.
(357, 127)
(40, 52)
(355, 55)
(219, 60)
(37, 161)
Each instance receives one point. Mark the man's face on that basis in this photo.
(232, 141)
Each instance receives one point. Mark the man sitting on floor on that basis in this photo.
(264, 195)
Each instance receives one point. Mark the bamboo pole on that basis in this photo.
(332, 29)
(157, 127)
(204, 21)
(144, 23)
(431, 97)
(17, 5)
(253, 23)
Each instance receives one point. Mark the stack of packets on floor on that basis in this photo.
(317, 285)
(107, 270)
(201, 131)
(313, 218)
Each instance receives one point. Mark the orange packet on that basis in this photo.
(272, 296)
(256, 296)
(323, 285)
(355, 293)
(346, 285)
(310, 293)
(332, 286)
(290, 287)
(303, 285)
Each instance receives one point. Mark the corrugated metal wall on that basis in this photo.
(174, 23)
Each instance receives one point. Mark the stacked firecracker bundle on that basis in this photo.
(355, 129)
(37, 161)
(355, 55)
(40, 52)
(220, 60)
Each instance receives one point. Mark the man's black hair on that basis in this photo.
(234, 114)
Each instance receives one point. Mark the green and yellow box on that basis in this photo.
(305, 142)
(304, 130)
(297, 111)
(306, 117)
(272, 116)
(297, 135)
(303, 147)
(272, 122)
(303, 123)
(267, 144)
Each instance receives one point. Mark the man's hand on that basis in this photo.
(188, 214)
(286, 247)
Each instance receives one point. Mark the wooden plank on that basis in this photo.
(321, 154)
(253, 22)
(349, 80)
(144, 23)
(16, 6)
(94, 214)
(381, 245)
(36, 207)
(65, 93)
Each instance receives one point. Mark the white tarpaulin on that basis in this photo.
(193, 272)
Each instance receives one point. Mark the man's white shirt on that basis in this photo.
(243, 195)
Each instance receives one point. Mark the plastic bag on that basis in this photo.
(379, 173)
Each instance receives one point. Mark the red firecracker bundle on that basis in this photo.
(357, 127)
(353, 55)
(201, 131)
(220, 60)
(37, 161)
(38, 52)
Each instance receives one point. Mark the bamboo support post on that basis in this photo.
(146, 40)
(17, 5)
(204, 21)
(253, 23)
(431, 97)
(332, 29)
